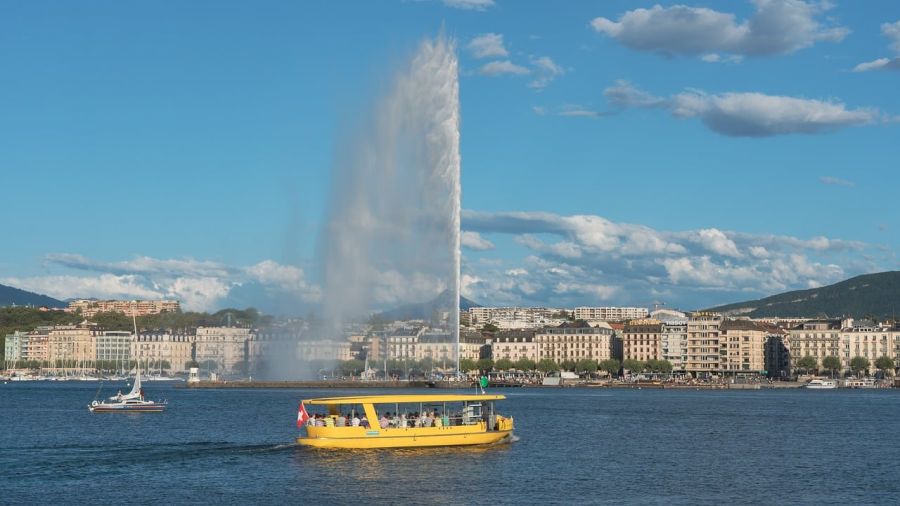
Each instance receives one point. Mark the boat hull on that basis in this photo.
(385, 439)
(143, 408)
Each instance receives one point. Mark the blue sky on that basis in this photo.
(613, 153)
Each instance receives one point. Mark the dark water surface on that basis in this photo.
(574, 446)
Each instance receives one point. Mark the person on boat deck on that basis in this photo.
(403, 420)
(445, 420)
(142, 393)
(385, 420)
(423, 417)
(341, 421)
(329, 421)
(429, 419)
(320, 421)
(364, 422)
(119, 395)
(355, 421)
(395, 421)
(437, 421)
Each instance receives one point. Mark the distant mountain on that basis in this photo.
(13, 296)
(424, 310)
(870, 294)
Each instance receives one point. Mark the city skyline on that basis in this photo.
(612, 154)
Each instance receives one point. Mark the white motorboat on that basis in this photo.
(820, 384)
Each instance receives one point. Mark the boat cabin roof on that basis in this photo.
(402, 399)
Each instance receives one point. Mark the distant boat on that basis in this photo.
(860, 383)
(818, 384)
(133, 402)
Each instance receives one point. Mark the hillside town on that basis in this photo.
(583, 341)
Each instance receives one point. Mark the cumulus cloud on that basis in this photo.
(501, 67)
(776, 27)
(892, 32)
(835, 181)
(474, 241)
(588, 259)
(487, 45)
(545, 71)
(747, 114)
(471, 5)
(197, 284)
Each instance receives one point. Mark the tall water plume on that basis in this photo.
(392, 235)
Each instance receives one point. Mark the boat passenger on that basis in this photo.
(428, 420)
(384, 422)
(437, 421)
(445, 420)
(320, 422)
(422, 418)
(341, 421)
(403, 421)
(329, 421)
(355, 421)
(364, 422)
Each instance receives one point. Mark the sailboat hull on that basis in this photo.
(150, 407)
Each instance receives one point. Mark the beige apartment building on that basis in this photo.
(90, 308)
(817, 339)
(871, 343)
(153, 350)
(514, 345)
(561, 344)
(225, 346)
(744, 343)
(642, 340)
(71, 346)
(704, 345)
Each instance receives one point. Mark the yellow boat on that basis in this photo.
(403, 421)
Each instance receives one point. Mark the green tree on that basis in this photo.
(547, 366)
(352, 367)
(831, 363)
(504, 364)
(586, 365)
(490, 327)
(485, 364)
(611, 366)
(885, 364)
(525, 364)
(858, 364)
(807, 363)
(567, 365)
(467, 364)
(632, 365)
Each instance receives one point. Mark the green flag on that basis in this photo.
(483, 382)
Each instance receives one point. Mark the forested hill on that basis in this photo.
(876, 295)
(10, 296)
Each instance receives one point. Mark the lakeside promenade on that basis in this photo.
(347, 384)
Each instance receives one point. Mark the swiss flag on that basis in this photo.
(302, 415)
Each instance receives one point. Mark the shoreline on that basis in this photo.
(344, 384)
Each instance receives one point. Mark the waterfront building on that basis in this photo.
(744, 343)
(673, 342)
(13, 349)
(113, 348)
(226, 347)
(35, 346)
(439, 347)
(610, 313)
(704, 346)
(402, 341)
(89, 308)
(815, 338)
(71, 347)
(514, 345)
(323, 350)
(162, 350)
(514, 317)
(642, 340)
(868, 341)
(778, 354)
(472, 346)
(575, 343)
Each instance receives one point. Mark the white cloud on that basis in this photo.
(584, 259)
(496, 68)
(472, 5)
(474, 241)
(776, 27)
(545, 71)
(487, 45)
(835, 181)
(892, 32)
(197, 284)
(748, 114)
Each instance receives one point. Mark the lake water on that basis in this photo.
(582, 446)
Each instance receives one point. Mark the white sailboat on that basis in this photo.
(132, 402)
